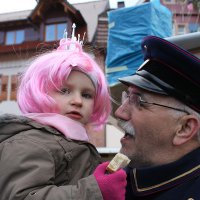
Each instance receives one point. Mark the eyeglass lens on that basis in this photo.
(132, 98)
(135, 99)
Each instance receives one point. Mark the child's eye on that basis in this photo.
(87, 95)
(65, 91)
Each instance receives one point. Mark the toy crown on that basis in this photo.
(71, 44)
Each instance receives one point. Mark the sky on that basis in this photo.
(18, 5)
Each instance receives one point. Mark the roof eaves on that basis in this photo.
(14, 16)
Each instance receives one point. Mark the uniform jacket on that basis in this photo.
(179, 180)
(38, 163)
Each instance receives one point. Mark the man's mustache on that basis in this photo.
(127, 127)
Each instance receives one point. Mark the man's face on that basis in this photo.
(149, 129)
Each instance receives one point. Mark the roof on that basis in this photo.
(90, 11)
(12, 16)
(43, 7)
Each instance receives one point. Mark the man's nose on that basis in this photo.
(122, 112)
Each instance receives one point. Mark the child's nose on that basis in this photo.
(76, 99)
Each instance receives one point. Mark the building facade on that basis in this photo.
(186, 15)
(26, 34)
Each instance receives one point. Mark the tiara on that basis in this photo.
(71, 44)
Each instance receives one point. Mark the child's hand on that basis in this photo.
(112, 186)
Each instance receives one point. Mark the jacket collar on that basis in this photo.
(154, 179)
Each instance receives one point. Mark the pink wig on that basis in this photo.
(49, 71)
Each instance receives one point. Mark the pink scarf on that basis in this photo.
(70, 128)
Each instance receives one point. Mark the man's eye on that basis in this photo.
(65, 91)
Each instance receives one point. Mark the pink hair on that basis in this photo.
(49, 71)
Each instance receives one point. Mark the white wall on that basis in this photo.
(9, 68)
(10, 107)
(128, 3)
(113, 136)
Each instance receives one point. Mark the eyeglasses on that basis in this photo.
(136, 99)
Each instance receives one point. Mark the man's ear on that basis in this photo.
(187, 129)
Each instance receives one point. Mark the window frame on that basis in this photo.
(56, 33)
(14, 37)
(184, 29)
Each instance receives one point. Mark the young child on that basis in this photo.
(45, 154)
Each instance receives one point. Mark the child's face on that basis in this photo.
(76, 97)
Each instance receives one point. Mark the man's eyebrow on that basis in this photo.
(131, 90)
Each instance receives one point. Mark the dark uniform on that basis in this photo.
(179, 180)
(172, 71)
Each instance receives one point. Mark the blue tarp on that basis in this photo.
(127, 28)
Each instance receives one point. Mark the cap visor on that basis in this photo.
(141, 82)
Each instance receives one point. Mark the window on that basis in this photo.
(13, 92)
(181, 29)
(3, 87)
(14, 37)
(55, 31)
(169, 1)
(120, 4)
(193, 27)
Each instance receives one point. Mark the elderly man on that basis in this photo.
(160, 114)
